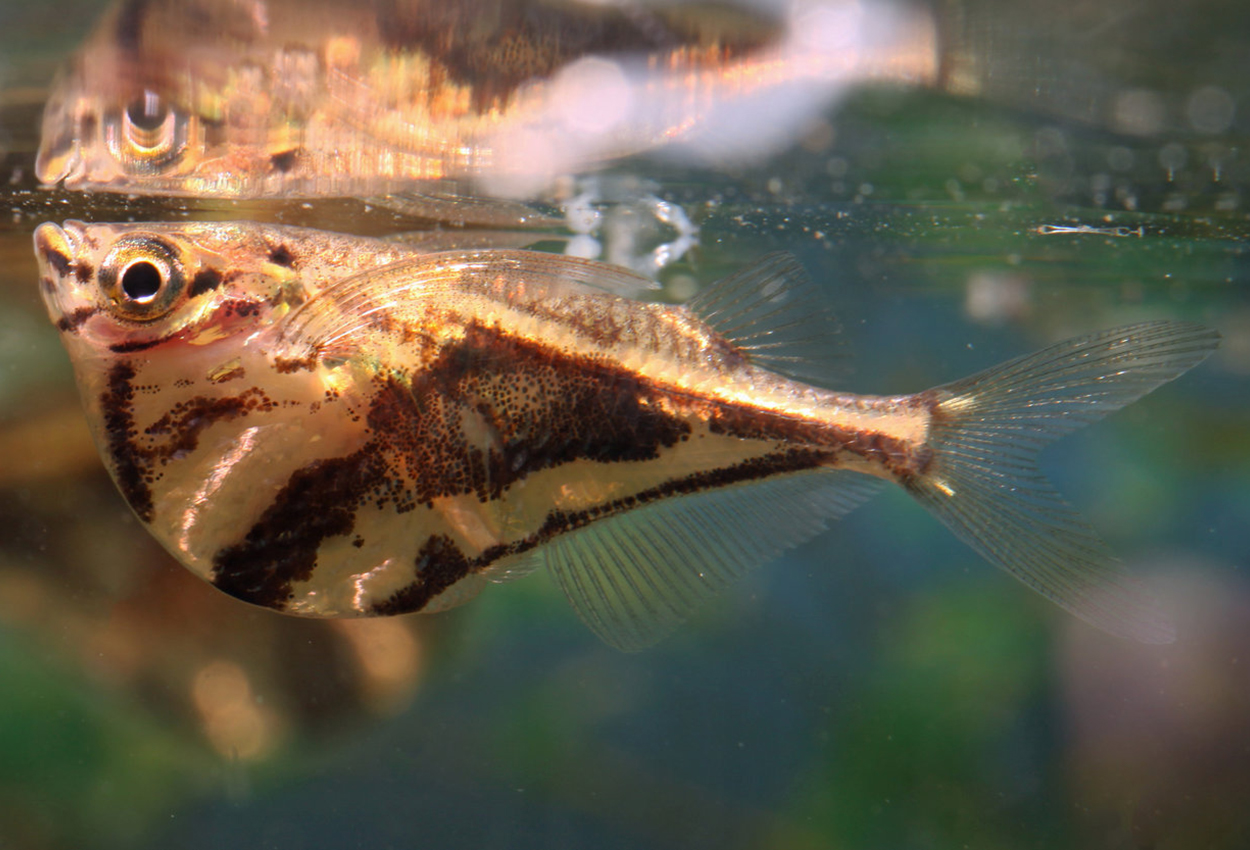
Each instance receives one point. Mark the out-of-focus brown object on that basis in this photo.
(1165, 727)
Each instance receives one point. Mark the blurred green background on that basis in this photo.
(879, 687)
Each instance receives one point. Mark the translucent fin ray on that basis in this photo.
(336, 313)
(636, 576)
(983, 481)
(777, 317)
(459, 593)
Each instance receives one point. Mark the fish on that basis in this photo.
(317, 98)
(397, 438)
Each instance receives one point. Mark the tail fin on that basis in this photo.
(983, 481)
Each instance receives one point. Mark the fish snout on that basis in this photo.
(60, 143)
(56, 252)
(58, 156)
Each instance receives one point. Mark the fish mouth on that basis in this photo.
(56, 250)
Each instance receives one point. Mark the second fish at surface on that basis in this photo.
(314, 98)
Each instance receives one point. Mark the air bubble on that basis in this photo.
(1210, 109)
(1138, 111)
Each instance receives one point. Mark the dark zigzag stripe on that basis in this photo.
(441, 564)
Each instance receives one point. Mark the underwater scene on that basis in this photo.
(274, 272)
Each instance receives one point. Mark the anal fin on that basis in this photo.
(636, 576)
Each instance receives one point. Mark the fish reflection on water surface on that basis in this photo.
(395, 438)
(282, 98)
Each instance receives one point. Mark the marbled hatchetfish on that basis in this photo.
(394, 436)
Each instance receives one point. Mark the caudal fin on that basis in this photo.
(983, 481)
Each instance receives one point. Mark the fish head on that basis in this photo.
(121, 288)
(175, 335)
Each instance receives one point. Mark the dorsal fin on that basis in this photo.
(777, 316)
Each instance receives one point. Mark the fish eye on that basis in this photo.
(149, 135)
(147, 114)
(141, 281)
(142, 277)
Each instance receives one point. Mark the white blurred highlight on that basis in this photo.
(597, 109)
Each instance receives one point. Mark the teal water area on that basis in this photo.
(878, 687)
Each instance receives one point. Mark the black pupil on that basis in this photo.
(146, 114)
(141, 281)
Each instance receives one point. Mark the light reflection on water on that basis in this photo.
(880, 686)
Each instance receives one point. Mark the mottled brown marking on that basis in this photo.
(186, 420)
(71, 322)
(439, 565)
(83, 271)
(119, 431)
(282, 256)
(205, 280)
(287, 365)
(318, 502)
(539, 408)
(239, 307)
(285, 161)
(57, 260)
(132, 345)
